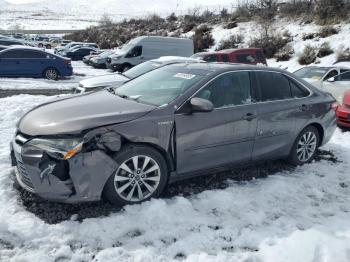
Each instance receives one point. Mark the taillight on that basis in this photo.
(334, 106)
(67, 61)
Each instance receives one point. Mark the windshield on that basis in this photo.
(141, 69)
(161, 86)
(311, 72)
(105, 54)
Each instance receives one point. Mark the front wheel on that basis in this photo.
(141, 175)
(125, 68)
(305, 146)
(51, 74)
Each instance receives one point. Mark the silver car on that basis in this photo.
(317, 75)
(337, 86)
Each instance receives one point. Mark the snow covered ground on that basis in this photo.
(300, 214)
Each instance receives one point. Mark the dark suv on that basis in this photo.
(172, 123)
(250, 56)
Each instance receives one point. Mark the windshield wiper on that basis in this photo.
(134, 98)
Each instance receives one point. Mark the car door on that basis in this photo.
(136, 55)
(338, 85)
(222, 136)
(34, 62)
(276, 122)
(9, 63)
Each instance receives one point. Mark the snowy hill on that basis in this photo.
(66, 14)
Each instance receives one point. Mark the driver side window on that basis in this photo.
(135, 52)
(332, 73)
(343, 77)
(230, 89)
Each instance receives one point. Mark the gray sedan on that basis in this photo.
(175, 122)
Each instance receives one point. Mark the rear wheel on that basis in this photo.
(51, 74)
(141, 175)
(305, 146)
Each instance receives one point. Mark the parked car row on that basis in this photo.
(146, 48)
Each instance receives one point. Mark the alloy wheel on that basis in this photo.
(137, 178)
(51, 74)
(307, 146)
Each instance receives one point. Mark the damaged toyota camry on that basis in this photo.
(126, 144)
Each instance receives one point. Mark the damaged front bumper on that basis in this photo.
(78, 179)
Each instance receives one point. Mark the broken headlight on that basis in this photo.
(61, 148)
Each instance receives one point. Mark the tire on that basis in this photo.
(305, 146)
(51, 74)
(125, 67)
(128, 185)
(48, 46)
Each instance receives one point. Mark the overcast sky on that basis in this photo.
(21, 1)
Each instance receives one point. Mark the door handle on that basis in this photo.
(249, 117)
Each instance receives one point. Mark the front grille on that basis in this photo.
(23, 174)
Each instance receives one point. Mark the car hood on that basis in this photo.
(103, 81)
(74, 114)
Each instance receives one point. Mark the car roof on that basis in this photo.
(176, 59)
(218, 67)
(227, 51)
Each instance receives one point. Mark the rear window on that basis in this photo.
(273, 86)
(32, 54)
(225, 58)
(211, 58)
(246, 58)
(297, 90)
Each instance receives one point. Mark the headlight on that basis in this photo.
(62, 148)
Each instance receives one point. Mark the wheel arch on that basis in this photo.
(320, 130)
(167, 157)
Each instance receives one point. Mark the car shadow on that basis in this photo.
(53, 213)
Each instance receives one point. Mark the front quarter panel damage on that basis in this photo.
(89, 172)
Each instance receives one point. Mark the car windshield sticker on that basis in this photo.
(184, 76)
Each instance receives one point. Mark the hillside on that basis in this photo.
(78, 14)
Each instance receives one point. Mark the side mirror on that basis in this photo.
(331, 79)
(201, 105)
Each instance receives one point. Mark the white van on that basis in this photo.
(144, 48)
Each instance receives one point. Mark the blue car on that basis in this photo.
(33, 62)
